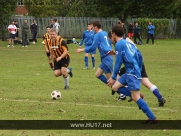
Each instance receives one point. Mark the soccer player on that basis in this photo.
(145, 81)
(88, 38)
(127, 54)
(12, 29)
(101, 42)
(46, 39)
(59, 51)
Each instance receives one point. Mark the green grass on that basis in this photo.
(26, 82)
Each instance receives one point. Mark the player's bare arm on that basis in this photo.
(79, 50)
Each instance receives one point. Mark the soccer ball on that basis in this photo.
(56, 95)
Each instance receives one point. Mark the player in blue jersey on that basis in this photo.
(145, 81)
(127, 54)
(87, 39)
(101, 42)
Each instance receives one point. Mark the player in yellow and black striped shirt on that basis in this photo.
(61, 56)
(46, 38)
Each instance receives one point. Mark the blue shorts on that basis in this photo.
(93, 52)
(131, 81)
(107, 64)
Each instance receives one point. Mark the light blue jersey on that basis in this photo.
(127, 54)
(101, 42)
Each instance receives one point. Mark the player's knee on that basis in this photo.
(97, 75)
(135, 97)
(114, 88)
(57, 74)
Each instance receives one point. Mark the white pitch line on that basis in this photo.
(81, 104)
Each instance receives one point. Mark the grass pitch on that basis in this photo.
(26, 82)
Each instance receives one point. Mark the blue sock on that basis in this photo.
(103, 79)
(124, 90)
(142, 104)
(93, 62)
(156, 92)
(86, 61)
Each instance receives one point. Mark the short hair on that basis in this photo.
(55, 20)
(88, 24)
(96, 23)
(110, 34)
(53, 30)
(48, 27)
(118, 30)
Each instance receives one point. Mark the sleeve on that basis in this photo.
(82, 40)
(94, 44)
(118, 61)
(64, 45)
(153, 27)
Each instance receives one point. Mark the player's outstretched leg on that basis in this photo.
(144, 107)
(156, 92)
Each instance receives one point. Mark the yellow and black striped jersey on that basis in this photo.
(46, 38)
(58, 47)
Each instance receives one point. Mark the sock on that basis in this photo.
(51, 65)
(103, 79)
(86, 61)
(142, 104)
(124, 90)
(93, 62)
(66, 80)
(68, 70)
(156, 92)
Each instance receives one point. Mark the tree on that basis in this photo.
(83, 8)
(42, 8)
(123, 9)
(7, 9)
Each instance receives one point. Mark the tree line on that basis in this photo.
(122, 9)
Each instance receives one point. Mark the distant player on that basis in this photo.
(12, 29)
(101, 42)
(46, 39)
(88, 38)
(127, 54)
(61, 56)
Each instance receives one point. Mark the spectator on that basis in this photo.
(137, 31)
(130, 30)
(151, 29)
(124, 28)
(52, 23)
(34, 29)
(12, 30)
(16, 35)
(56, 25)
(25, 29)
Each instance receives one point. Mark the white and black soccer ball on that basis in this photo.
(56, 95)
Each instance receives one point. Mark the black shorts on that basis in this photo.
(48, 54)
(12, 36)
(62, 63)
(143, 72)
(16, 35)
